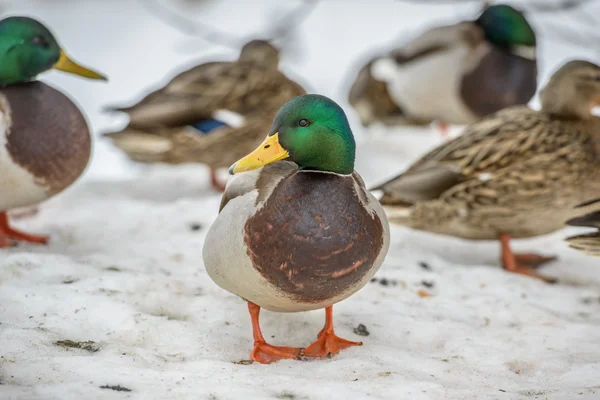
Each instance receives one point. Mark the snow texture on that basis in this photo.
(119, 304)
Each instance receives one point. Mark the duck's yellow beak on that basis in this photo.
(268, 152)
(65, 64)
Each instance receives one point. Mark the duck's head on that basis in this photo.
(28, 48)
(573, 90)
(508, 28)
(310, 130)
(260, 52)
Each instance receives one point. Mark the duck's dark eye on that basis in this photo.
(39, 40)
(303, 122)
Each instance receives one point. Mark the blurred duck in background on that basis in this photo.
(587, 243)
(45, 142)
(451, 74)
(517, 173)
(214, 113)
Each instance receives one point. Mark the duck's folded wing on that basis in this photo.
(199, 92)
(494, 143)
(438, 39)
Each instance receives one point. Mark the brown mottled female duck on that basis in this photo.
(587, 243)
(451, 74)
(302, 234)
(45, 143)
(214, 113)
(517, 173)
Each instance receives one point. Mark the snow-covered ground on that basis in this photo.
(124, 267)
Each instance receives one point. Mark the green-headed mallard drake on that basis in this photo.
(193, 118)
(587, 243)
(301, 235)
(516, 173)
(452, 74)
(45, 142)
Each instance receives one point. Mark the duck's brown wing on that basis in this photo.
(494, 143)
(241, 87)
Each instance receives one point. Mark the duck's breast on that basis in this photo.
(501, 80)
(314, 240)
(45, 144)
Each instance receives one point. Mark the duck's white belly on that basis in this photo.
(18, 187)
(227, 263)
(429, 87)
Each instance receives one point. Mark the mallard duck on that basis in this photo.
(516, 173)
(301, 234)
(196, 116)
(588, 243)
(451, 74)
(45, 142)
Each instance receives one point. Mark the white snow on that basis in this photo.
(124, 267)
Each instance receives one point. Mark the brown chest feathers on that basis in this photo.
(313, 238)
(48, 135)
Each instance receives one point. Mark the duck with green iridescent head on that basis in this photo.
(451, 74)
(302, 232)
(45, 142)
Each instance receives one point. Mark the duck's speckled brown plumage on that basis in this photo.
(326, 240)
(588, 243)
(48, 135)
(518, 172)
(251, 86)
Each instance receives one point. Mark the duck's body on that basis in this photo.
(505, 174)
(297, 240)
(163, 127)
(516, 173)
(587, 243)
(301, 235)
(454, 74)
(45, 142)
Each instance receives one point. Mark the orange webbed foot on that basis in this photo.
(328, 344)
(8, 233)
(533, 260)
(524, 264)
(265, 353)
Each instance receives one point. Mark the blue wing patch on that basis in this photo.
(206, 126)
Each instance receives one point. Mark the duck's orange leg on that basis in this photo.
(327, 343)
(8, 234)
(522, 263)
(214, 181)
(263, 352)
(444, 130)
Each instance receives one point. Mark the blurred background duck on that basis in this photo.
(587, 243)
(214, 113)
(45, 142)
(517, 173)
(451, 74)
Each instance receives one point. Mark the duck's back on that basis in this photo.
(45, 143)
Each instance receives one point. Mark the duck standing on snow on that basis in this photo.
(45, 142)
(196, 116)
(302, 235)
(515, 174)
(587, 243)
(451, 74)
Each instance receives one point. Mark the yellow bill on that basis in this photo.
(268, 152)
(65, 64)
